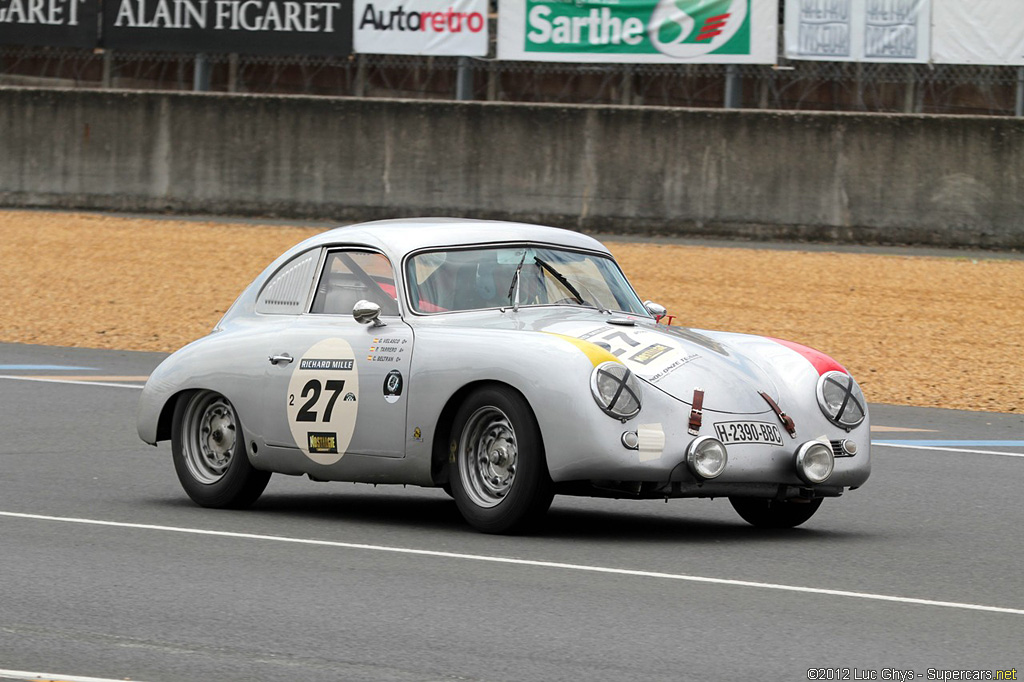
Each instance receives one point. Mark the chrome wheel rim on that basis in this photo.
(488, 456)
(209, 430)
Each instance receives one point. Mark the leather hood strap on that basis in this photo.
(786, 420)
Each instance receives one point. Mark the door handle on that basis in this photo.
(280, 359)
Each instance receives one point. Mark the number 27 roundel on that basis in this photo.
(323, 400)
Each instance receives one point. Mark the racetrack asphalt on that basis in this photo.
(109, 571)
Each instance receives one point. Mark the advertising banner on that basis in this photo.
(858, 30)
(421, 27)
(299, 27)
(978, 32)
(55, 23)
(639, 31)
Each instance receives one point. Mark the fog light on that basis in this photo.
(814, 462)
(706, 457)
(849, 447)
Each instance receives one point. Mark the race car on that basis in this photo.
(505, 363)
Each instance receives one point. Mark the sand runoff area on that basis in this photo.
(914, 330)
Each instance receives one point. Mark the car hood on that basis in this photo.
(676, 360)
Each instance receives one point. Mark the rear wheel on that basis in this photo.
(208, 448)
(768, 513)
(500, 482)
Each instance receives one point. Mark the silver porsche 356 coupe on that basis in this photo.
(503, 362)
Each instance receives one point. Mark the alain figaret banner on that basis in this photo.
(639, 31)
(53, 23)
(859, 30)
(285, 27)
(421, 27)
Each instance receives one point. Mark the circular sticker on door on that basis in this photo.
(323, 400)
(393, 386)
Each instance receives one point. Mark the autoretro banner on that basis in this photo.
(978, 32)
(421, 27)
(859, 30)
(309, 27)
(639, 31)
(56, 23)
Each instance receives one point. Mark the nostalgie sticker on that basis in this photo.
(323, 443)
(322, 400)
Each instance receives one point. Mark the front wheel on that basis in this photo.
(768, 513)
(208, 448)
(500, 482)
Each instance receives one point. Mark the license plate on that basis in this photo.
(731, 433)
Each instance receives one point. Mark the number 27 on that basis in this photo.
(312, 389)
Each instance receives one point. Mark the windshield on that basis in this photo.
(470, 279)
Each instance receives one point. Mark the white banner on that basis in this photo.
(859, 30)
(978, 32)
(421, 27)
(639, 31)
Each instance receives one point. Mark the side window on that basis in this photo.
(352, 276)
(285, 293)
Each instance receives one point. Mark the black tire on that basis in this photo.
(208, 448)
(500, 478)
(768, 513)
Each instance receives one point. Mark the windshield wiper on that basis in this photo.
(561, 279)
(514, 286)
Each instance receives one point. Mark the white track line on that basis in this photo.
(527, 562)
(53, 677)
(62, 381)
(934, 447)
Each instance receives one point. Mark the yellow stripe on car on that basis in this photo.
(595, 353)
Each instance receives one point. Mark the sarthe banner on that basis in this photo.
(299, 27)
(53, 23)
(421, 27)
(639, 31)
(978, 32)
(858, 30)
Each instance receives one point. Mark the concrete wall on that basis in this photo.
(840, 177)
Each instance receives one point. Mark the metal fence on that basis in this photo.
(806, 86)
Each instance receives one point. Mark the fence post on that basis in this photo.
(360, 89)
(1019, 109)
(107, 79)
(492, 82)
(233, 72)
(909, 95)
(464, 81)
(201, 74)
(733, 87)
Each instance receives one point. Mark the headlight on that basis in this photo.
(841, 399)
(615, 390)
(814, 462)
(706, 457)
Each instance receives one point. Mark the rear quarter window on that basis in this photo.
(287, 290)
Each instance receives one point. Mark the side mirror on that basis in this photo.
(655, 309)
(367, 312)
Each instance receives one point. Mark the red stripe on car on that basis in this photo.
(819, 360)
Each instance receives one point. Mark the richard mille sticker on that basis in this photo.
(393, 386)
(321, 400)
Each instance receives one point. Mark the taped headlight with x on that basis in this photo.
(615, 390)
(841, 399)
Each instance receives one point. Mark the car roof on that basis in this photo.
(399, 237)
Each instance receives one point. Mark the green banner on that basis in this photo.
(590, 26)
